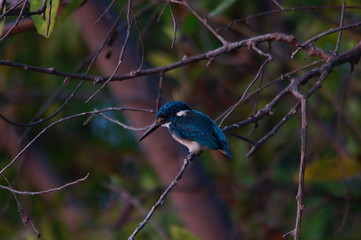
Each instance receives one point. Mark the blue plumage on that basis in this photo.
(191, 128)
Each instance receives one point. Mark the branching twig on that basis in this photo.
(352, 55)
(64, 120)
(122, 51)
(274, 130)
(25, 218)
(122, 124)
(259, 73)
(16, 21)
(44, 191)
(342, 17)
(296, 232)
(249, 18)
(67, 100)
(279, 37)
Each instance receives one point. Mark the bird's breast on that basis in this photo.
(193, 146)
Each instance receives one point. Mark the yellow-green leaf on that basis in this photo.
(44, 26)
(178, 233)
(2, 21)
(159, 59)
(327, 169)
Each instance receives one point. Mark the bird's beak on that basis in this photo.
(151, 129)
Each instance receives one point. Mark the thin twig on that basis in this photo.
(31, 124)
(131, 202)
(122, 124)
(106, 40)
(64, 120)
(342, 18)
(44, 191)
(162, 198)
(140, 41)
(296, 233)
(259, 73)
(49, 18)
(2, 8)
(274, 130)
(160, 86)
(11, 8)
(277, 11)
(278, 5)
(204, 21)
(289, 39)
(105, 11)
(174, 23)
(25, 218)
(122, 52)
(333, 30)
(16, 21)
(322, 72)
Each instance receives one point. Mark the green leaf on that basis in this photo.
(1, 26)
(178, 233)
(327, 169)
(159, 59)
(44, 26)
(221, 7)
(2, 21)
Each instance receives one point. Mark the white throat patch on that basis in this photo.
(182, 113)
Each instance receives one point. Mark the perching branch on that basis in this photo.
(162, 198)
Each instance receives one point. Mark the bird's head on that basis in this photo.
(166, 115)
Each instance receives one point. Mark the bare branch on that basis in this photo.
(259, 73)
(44, 191)
(122, 52)
(279, 37)
(296, 232)
(25, 218)
(64, 120)
(341, 24)
(25, 2)
(162, 198)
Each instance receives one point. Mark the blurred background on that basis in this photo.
(219, 198)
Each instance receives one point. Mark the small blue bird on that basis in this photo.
(191, 128)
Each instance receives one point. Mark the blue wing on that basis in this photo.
(196, 126)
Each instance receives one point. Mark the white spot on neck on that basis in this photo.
(182, 113)
(166, 124)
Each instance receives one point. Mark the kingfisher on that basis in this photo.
(193, 129)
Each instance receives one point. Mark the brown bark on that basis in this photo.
(195, 202)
